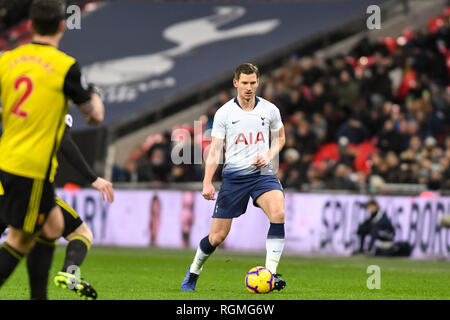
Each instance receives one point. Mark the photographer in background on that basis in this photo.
(382, 232)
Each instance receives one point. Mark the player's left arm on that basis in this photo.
(277, 133)
(73, 154)
(279, 139)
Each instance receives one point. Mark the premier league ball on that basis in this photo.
(259, 280)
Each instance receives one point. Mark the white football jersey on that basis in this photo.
(246, 134)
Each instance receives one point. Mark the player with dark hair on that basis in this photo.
(245, 124)
(36, 82)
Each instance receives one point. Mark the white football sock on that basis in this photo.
(274, 249)
(199, 259)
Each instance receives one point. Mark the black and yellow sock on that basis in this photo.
(76, 252)
(9, 258)
(39, 262)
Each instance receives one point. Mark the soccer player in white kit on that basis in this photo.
(245, 124)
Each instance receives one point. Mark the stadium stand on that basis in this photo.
(376, 116)
(373, 117)
(15, 28)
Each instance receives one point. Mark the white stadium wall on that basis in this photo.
(315, 223)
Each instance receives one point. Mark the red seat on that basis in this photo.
(16, 32)
(434, 24)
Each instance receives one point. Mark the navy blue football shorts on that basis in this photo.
(236, 190)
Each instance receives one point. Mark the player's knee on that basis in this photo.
(217, 238)
(86, 232)
(82, 231)
(277, 216)
(54, 226)
(20, 241)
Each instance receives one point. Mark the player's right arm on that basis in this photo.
(212, 162)
(218, 134)
(83, 95)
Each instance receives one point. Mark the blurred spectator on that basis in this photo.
(163, 143)
(390, 139)
(319, 97)
(306, 141)
(340, 64)
(315, 179)
(319, 127)
(128, 172)
(362, 49)
(154, 167)
(13, 12)
(295, 171)
(346, 91)
(334, 119)
(342, 178)
(392, 174)
(311, 71)
(361, 182)
(296, 102)
(435, 182)
(380, 83)
(178, 174)
(346, 155)
(355, 131)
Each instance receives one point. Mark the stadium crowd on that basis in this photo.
(15, 26)
(379, 114)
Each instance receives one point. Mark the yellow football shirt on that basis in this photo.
(34, 102)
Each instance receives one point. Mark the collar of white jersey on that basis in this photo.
(237, 102)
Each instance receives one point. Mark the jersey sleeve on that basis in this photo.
(75, 85)
(74, 156)
(276, 123)
(219, 125)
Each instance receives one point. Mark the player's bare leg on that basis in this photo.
(219, 231)
(19, 240)
(272, 203)
(54, 226)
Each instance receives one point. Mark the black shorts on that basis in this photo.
(25, 203)
(71, 218)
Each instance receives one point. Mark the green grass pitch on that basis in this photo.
(153, 274)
